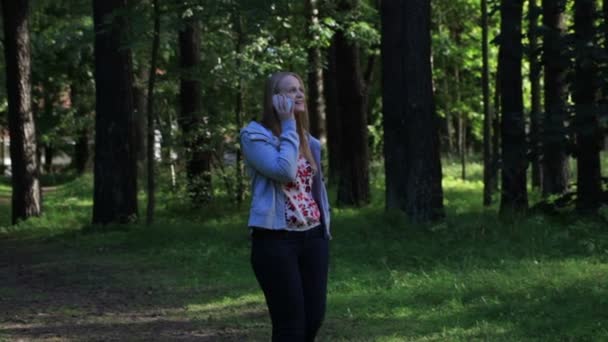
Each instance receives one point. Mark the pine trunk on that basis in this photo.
(588, 135)
(26, 194)
(316, 104)
(514, 196)
(487, 115)
(115, 181)
(411, 145)
(534, 77)
(554, 138)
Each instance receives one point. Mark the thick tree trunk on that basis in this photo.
(514, 196)
(115, 184)
(334, 135)
(353, 183)
(316, 104)
(140, 99)
(192, 122)
(555, 159)
(26, 194)
(411, 145)
(588, 135)
(534, 77)
(488, 188)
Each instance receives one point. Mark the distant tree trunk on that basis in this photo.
(151, 181)
(81, 147)
(334, 135)
(487, 114)
(239, 109)
(2, 149)
(192, 122)
(26, 195)
(140, 99)
(316, 104)
(555, 159)
(115, 184)
(353, 184)
(514, 197)
(411, 145)
(496, 131)
(588, 135)
(462, 129)
(534, 76)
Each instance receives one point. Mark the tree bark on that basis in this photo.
(487, 114)
(151, 181)
(334, 135)
(534, 77)
(353, 183)
(26, 194)
(193, 124)
(588, 135)
(316, 103)
(514, 196)
(115, 181)
(411, 145)
(554, 137)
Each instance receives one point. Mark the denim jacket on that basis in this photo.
(271, 161)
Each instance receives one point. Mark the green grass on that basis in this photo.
(468, 278)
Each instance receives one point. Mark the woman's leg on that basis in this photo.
(275, 264)
(314, 262)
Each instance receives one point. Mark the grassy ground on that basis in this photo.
(188, 276)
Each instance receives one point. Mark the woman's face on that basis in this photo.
(290, 86)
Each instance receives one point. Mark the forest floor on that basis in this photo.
(187, 277)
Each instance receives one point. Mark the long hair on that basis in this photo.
(270, 118)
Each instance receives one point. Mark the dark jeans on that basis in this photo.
(291, 268)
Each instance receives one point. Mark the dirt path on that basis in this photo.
(46, 297)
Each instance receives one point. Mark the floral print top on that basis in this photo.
(301, 210)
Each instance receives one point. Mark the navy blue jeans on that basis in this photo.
(291, 268)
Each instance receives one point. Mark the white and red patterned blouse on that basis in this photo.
(301, 210)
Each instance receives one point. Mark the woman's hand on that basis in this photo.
(284, 106)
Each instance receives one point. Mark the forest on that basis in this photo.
(464, 151)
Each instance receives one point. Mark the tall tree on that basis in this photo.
(353, 183)
(514, 197)
(411, 145)
(115, 183)
(588, 135)
(316, 104)
(332, 121)
(26, 194)
(554, 138)
(151, 182)
(487, 115)
(534, 77)
(192, 122)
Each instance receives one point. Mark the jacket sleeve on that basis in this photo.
(279, 165)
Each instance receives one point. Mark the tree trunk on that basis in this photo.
(588, 135)
(487, 115)
(151, 181)
(462, 129)
(353, 183)
(334, 135)
(81, 148)
(26, 194)
(140, 99)
(239, 102)
(496, 131)
(411, 145)
(555, 159)
(514, 197)
(115, 184)
(316, 104)
(534, 76)
(193, 124)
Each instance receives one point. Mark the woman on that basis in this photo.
(289, 216)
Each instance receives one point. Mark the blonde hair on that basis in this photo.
(270, 118)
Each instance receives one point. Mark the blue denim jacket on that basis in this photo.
(272, 161)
